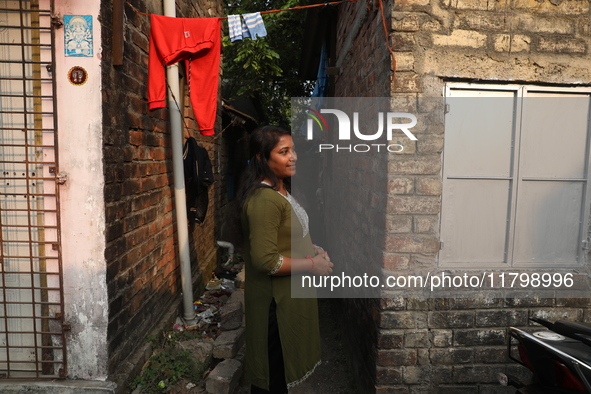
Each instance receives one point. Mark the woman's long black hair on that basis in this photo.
(261, 143)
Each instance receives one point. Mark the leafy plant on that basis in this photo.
(167, 366)
(266, 70)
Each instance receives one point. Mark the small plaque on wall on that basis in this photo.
(77, 76)
(78, 36)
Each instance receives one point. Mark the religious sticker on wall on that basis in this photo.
(77, 76)
(78, 38)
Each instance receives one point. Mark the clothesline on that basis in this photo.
(381, 9)
(301, 7)
(381, 6)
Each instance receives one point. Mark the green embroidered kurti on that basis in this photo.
(272, 229)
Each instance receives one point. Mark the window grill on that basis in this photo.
(32, 340)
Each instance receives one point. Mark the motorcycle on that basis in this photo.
(559, 358)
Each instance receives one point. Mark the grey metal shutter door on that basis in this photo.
(477, 177)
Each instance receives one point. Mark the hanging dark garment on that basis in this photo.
(198, 178)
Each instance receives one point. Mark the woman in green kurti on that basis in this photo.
(282, 336)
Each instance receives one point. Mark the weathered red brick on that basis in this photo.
(411, 244)
(396, 357)
(395, 261)
(413, 204)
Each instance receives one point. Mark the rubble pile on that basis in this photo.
(220, 318)
(215, 338)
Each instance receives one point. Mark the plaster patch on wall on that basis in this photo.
(535, 68)
(91, 204)
(88, 312)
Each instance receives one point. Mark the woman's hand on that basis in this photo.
(322, 264)
(318, 250)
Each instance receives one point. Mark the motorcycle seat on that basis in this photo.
(570, 328)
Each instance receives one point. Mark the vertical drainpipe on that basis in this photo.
(172, 78)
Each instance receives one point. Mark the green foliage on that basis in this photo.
(168, 365)
(266, 70)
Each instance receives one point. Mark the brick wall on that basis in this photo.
(533, 41)
(355, 185)
(428, 345)
(456, 344)
(142, 264)
(362, 55)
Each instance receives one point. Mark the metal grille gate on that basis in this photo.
(32, 341)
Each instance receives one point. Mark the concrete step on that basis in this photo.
(58, 387)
